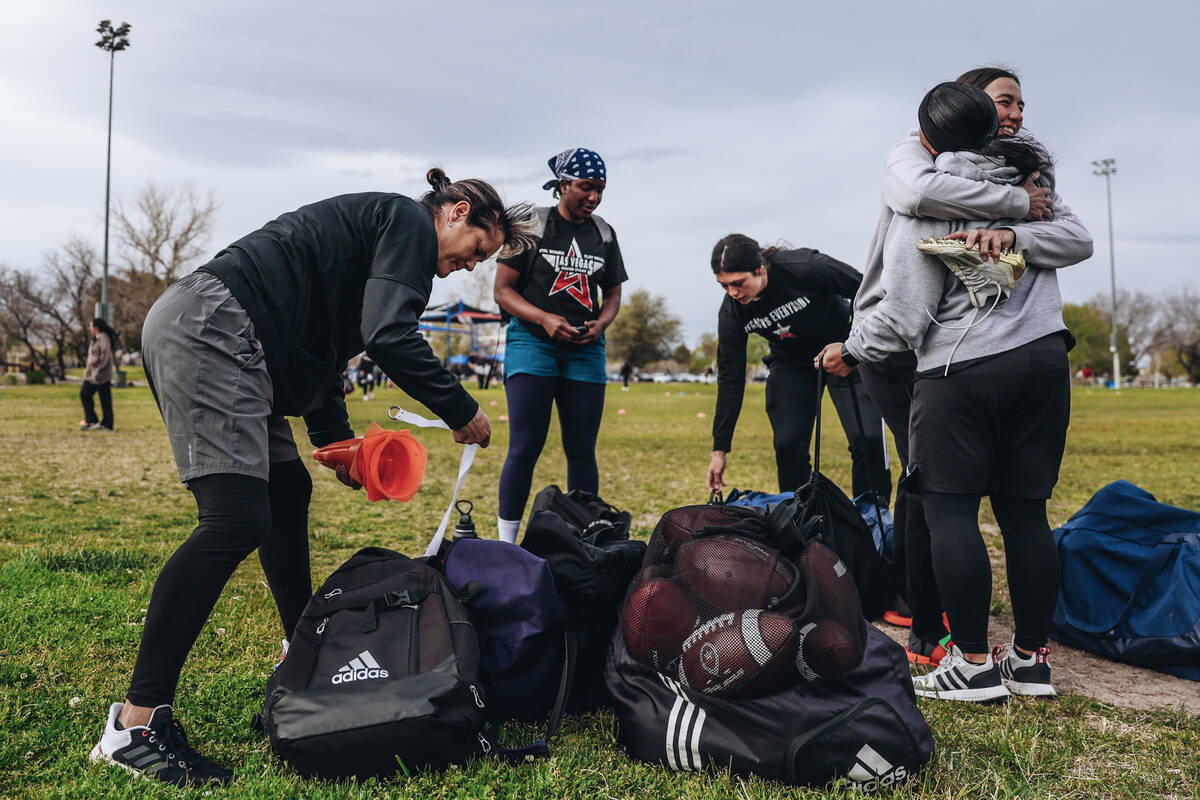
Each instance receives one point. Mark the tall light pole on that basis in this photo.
(1108, 167)
(111, 40)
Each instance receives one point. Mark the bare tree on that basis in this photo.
(73, 290)
(1138, 322)
(166, 230)
(21, 318)
(1180, 329)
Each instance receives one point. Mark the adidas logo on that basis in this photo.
(871, 770)
(362, 668)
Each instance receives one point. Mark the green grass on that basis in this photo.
(86, 521)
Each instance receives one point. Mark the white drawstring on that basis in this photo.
(968, 326)
(464, 466)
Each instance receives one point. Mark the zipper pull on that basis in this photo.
(321, 627)
(475, 693)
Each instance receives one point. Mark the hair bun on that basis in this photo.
(437, 179)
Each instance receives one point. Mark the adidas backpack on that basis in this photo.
(382, 673)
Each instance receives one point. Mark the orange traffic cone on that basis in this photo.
(390, 464)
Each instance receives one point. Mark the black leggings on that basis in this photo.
(89, 409)
(580, 408)
(964, 572)
(792, 409)
(237, 514)
(890, 385)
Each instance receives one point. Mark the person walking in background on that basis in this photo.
(366, 377)
(561, 296)
(795, 299)
(97, 378)
(260, 333)
(990, 407)
(1051, 237)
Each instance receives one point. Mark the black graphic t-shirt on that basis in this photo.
(805, 306)
(569, 271)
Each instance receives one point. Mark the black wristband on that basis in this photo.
(848, 358)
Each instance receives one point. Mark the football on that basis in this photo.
(740, 654)
(730, 573)
(660, 614)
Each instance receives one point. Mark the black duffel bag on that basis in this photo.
(864, 725)
(592, 569)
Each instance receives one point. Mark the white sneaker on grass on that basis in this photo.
(1025, 675)
(158, 749)
(958, 679)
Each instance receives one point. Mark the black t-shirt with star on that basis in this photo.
(569, 271)
(804, 306)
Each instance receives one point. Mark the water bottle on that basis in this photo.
(465, 527)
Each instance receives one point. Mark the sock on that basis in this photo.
(507, 529)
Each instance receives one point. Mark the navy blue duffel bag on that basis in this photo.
(1131, 581)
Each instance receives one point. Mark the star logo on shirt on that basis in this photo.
(573, 268)
(784, 332)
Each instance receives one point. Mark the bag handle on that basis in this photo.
(1150, 571)
(464, 466)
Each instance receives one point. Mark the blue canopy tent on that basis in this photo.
(456, 317)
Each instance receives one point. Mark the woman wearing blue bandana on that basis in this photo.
(561, 296)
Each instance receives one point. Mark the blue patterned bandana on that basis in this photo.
(575, 165)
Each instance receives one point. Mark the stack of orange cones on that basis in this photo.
(390, 464)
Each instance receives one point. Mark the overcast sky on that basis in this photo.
(765, 118)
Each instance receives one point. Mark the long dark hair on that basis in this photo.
(515, 223)
(958, 116)
(104, 327)
(980, 77)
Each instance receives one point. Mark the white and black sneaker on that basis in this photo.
(958, 679)
(1025, 675)
(157, 750)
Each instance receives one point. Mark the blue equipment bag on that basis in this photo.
(1131, 581)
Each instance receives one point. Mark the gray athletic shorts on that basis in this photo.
(210, 380)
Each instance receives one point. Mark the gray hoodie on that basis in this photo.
(894, 314)
(916, 186)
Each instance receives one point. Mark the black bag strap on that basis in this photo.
(540, 748)
(566, 680)
(816, 466)
(862, 435)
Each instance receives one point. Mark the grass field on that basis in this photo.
(86, 521)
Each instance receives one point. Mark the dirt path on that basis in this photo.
(1081, 673)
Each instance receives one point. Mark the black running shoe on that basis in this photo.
(157, 750)
(1025, 675)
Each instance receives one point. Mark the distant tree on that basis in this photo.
(165, 231)
(1180, 329)
(704, 355)
(161, 237)
(682, 356)
(21, 317)
(1092, 331)
(74, 289)
(1138, 323)
(644, 331)
(756, 350)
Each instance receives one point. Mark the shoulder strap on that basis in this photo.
(542, 215)
(606, 231)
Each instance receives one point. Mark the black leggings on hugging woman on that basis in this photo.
(237, 515)
(964, 571)
(580, 408)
